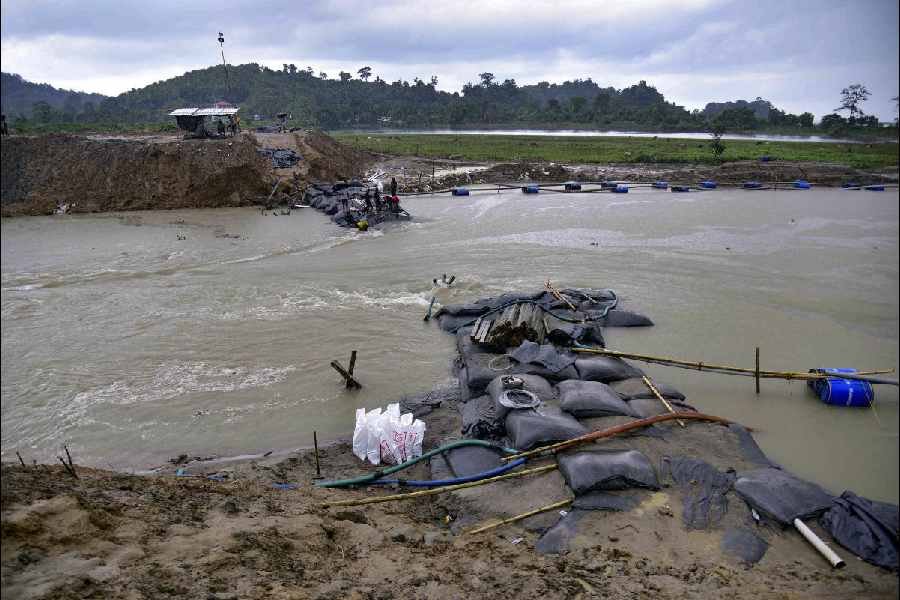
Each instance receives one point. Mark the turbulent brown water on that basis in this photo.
(133, 346)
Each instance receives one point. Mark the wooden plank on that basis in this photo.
(348, 378)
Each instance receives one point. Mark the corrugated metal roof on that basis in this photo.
(203, 112)
(215, 112)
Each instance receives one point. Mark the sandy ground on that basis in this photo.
(111, 535)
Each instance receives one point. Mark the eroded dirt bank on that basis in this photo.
(111, 535)
(96, 174)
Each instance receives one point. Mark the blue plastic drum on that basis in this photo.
(460, 191)
(531, 188)
(842, 392)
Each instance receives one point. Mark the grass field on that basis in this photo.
(618, 149)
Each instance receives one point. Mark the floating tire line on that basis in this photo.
(694, 187)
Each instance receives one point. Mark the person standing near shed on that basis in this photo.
(393, 187)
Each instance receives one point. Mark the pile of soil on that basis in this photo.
(41, 173)
(90, 175)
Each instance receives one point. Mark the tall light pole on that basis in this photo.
(224, 64)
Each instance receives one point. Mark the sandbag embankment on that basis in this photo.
(42, 173)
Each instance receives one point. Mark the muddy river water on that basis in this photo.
(132, 345)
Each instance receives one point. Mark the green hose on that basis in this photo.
(362, 479)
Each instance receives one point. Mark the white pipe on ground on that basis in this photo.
(819, 545)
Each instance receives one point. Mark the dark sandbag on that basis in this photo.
(485, 305)
(600, 500)
(607, 470)
(529, 428)
(480, 420)
(562, 333)
(635, 388)
(703, 489)
(483, 368)
(547, 356)
(533, 383)
(584, 399)
(781, 496)
(464, 461)
(624, 318)
(567, 373)
(424, 403)
(452, 323)
(867, 528)
(743, 545)
(556, 539)
(605, 369)
(645, 408)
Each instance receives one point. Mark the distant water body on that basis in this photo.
(695, 135)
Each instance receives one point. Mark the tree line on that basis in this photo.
(366, 101)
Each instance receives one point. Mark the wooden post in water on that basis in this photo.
(316, 451)
(756, 375)
(348, 378)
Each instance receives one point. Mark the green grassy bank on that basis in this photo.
(569, 149)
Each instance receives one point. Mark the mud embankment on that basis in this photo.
(85, 174)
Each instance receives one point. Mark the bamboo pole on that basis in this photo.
(613, 431)
(725, 369)
(556, 294)
(440, 490)
(660, 397)
(524, 515)
(757, 371)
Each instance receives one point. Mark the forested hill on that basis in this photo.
(346, 101)
(19, 97)
(343, 102)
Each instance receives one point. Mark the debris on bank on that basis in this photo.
(282, 158)
(355, 204)
(528, 394)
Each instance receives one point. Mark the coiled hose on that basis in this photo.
(370, 478)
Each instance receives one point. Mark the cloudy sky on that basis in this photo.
(796, 53)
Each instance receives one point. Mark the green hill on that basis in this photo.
(19, 97)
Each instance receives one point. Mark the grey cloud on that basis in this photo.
(688, 43)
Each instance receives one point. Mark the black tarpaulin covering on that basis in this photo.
(703, 488)
(865, 527)
(781, 496)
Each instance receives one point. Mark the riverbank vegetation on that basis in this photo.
(580, 149)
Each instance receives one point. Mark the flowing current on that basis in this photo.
(136, 337)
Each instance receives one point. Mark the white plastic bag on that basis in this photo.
(405, 440)
(360, 435)
(387, 436)
(373, 452)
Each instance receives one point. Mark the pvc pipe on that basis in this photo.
(823, 548)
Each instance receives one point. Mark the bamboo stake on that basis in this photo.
(525, 515)
(659, 397)
(440, 490)
(613, 431)
(757, 371)
(728, 369)
(559, 296)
